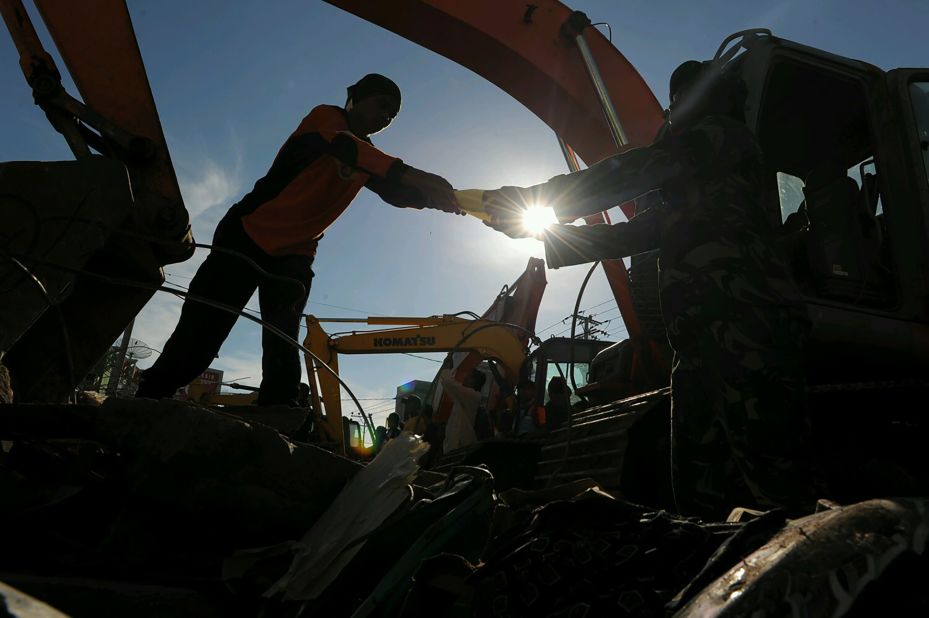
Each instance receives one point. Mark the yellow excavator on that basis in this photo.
(492, 340)
(500, 343)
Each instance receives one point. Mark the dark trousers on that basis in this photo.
(229, 280)
(740, 430)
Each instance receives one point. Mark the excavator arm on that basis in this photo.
(487, 338)
(97, 229)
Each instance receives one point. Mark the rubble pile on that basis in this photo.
(144, 508)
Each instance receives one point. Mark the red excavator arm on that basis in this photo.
(531, 55)
(532, 52)
(103, 225)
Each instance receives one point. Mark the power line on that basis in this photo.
(562, 321)
(589, 325)
(606, 311)
(316, 302)
(434, 360)
(608, 300)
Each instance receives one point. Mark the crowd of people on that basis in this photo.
(519, 415)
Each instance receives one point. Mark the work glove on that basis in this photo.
(438, 192)
(506, 207)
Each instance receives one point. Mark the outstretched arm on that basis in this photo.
(325, 132)
(566, 245)
(408, 187)
(711, 147)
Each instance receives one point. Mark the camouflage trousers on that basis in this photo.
(740, 430)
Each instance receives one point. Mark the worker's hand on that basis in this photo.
(438, 192)
(507, 207)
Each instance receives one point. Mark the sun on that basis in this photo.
(537, 218)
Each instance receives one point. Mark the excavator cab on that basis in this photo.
(844, 145)
(565, 357)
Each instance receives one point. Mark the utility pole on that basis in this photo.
(589, 325)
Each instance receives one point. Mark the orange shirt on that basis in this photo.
(315, 176)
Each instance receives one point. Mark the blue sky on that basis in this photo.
(232, 79)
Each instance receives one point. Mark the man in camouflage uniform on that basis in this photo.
(731, 311)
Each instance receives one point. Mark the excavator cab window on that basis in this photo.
(919, 96)
(554, 358)
(815, 131)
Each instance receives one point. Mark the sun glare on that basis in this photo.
(537, 218)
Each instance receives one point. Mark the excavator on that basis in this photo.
(847, 150)
(496, 343)
(846, 154)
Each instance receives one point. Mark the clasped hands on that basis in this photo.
(505, 208)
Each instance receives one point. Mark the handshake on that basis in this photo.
(510, 210)
(514, 211)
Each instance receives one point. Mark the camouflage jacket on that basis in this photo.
(717, 249)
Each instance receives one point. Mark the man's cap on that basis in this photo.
(371, 85)
(684, 76)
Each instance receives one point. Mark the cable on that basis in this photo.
(609, 29)
(470, 313)
(316, 302)
(608, 300)
(229, 309)
(467, 336)
(434, 360)
(562, 320)
(577, 306)
(65, 336)
(261, 271)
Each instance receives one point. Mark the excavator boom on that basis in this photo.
(529, 52)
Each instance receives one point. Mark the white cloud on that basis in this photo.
(240, 366)
(211, 185)
(208, 188)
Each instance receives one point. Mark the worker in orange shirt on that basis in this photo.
(314, 177)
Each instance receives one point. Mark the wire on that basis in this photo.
(316, 302)
(609, 29)
(608, 300)
(65, 336)
(434, 360)
(577, 305)
(229, 309)
(562, 320)
(261, 271)
(470, 313)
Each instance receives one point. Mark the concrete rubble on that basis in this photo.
(144, 508)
